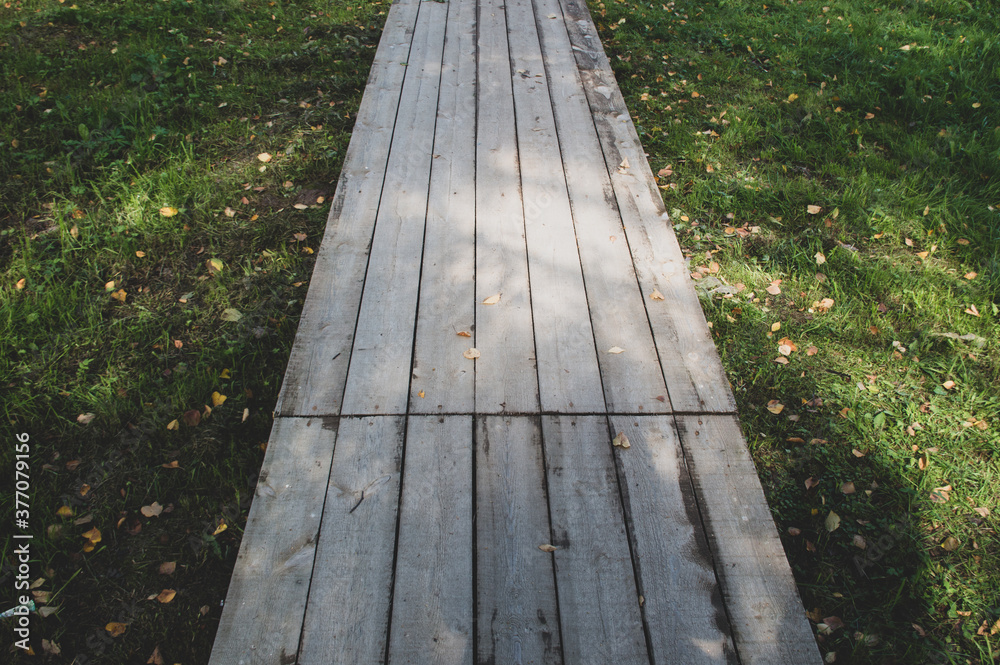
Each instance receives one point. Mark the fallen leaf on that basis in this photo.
(794, 531)
(621, 441)
(65, 511)
(168, 211)
(624, 166)
(982, 511)
(85, 418)
(834, 623)
(547, 548)
(300, 206)
(50, 648)
(857, 453)
(781, 360)
(775, 407)
(784, 349)
(152, 510)
(219, 529)
(173, 425)
(299, 237)
(492, 300)
(820, 258)
(832, 522)
(810, 483)
(813, 210)
(21, 283)
(616, 350)
(155, 658)
(94, 535)
(191, 417)
(264, 157)
(948, 385)
(968, 275)
(246, 414)
(920, 631)
(166, 595)
(119, 295)
(811, 351)
(215, 265)
(141, 254)
(218, 399)
(971, 309)
(115, 628)
(168, 567)
(656, 295)
(231, 314)
(471, 353)
(773, 288)
(859, 542)
(869, 116)
(847, 488)
(464, 333)
(950, 544)
(171, 465)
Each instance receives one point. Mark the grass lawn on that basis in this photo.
(832, 169)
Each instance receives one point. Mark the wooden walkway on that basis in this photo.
(498, 301)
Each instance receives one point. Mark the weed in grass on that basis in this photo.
(868, 133)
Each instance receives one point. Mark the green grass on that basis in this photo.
(115, 319)
(754, 111)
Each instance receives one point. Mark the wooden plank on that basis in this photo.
(347, 616)
(598, 602)
(379, 376)
(314, 377)
(516, 609)
(768, 621)
(279, 544)
(691, 366)
(506, 379)
(432, 605)
(443, 379)
(633, 379)
(683, 607)
(569, 379)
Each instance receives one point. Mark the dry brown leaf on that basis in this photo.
(950, 544)
(168, 567)
(85, 418)
(971, 309)
(166, 595)
(547, 548)
(948, 385)
(773, 288)
(152, 510)
(860, 542)
(155, 658)
(656, 295)
(464, 333)
(811, 351)
(116, 628)
(847, 488)
(810, 483)
(970, 275)
(471, 353)
(492, 300)
(775, 407)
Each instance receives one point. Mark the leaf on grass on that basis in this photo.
(300, 206)
(621, 441)
(847, 488)
(785, 349)
(616, 350)
(834, 623)
(64, 511)
(171, 465)
(948, 385)
(775, 407)
(656, 295)
(859, 542)
(155, 658)
(218, 399)
(820, 258)
(832, 522)
(166, 595)
(471, 353)
(492, 300)
(971, 309)
(811, 351)
(168, 211)
(116, 628)
(810, 483)
(968, 275)
(168, 567)
(246, 414)
(152, 510)
(299, 237)
(215, 265)
(982, 511)
(857, 453)
(173, 425)
(547, 548)
(85, 418)
(264, 157)
(119, 295)
(141, 254)
(824, 305)
(21, 284)
(773, 288)
(813, 210)
(950, 544)
(231, 314)
(191, 417)
(219, 529)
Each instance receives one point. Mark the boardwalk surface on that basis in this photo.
(499, 301)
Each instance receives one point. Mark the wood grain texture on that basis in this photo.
(448, 287)
(379, 376)
(506, 379)
(347, 616)
(276, 556)
(569, 380)
(598, 602)
(768, 621)
(683, 607)
(317, 367)
(516, 608)
(432, 607)
(690, 363)
(633, 379)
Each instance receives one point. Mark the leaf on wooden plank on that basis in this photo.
(547, 548)
(832, 522)
(656, 295)
(464, 333)
(621, 441)
(492, 300)
(471, 353)
(616, 350)
(624, 166)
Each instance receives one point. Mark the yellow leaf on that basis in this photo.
(94, 535)
(471, 353)
(923, 255)
(420, 394)
(832, 522)
(264, 157)
(792, 97)
(219, 529)
(115, 628)
(166, 595)
(218, 399)
(215, 265)
(21, 283)
(776, 326)
(225, 374)
(971, 275)
(950, 544)
(140, 254)
(119, 295)
(775, 407)
(621, 441)
(65, 511)
(813, 210)
(168, 211)
(173, 425)
(492, 300)
(976, 105)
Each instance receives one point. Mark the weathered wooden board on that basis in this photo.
(347, 617)
(506, 379)
(432, 607)
(569, 380)
(517, 616)
(598, 603)
(683, 606)
(633, 379)
(278, 548)
(317, 367)
(768, 622)
(443, 379)
(379, 376)
(691, 366)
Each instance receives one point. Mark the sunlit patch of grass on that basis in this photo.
(118, 320)
(884, 116)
